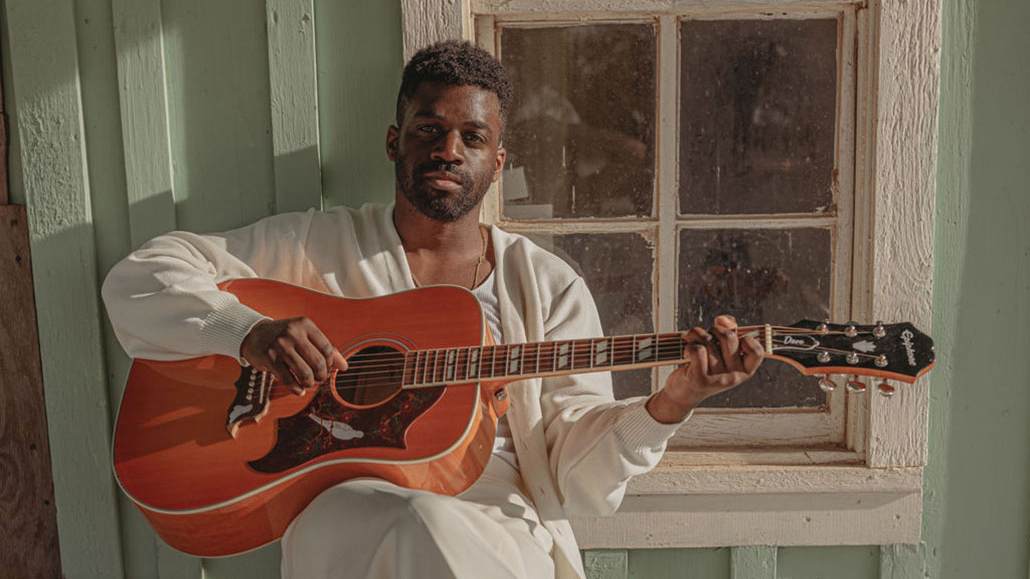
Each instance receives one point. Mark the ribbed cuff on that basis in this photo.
(639, 431)
(225, 328)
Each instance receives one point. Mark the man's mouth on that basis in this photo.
(443, 180)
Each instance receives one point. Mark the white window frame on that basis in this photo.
(870, 492)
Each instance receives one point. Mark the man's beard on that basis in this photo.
(441, 205)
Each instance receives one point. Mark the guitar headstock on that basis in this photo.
(886, 351)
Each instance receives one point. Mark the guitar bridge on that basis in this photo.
(251, 401)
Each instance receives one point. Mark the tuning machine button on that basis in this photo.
(827, 385)
(885, 389)
(879, 331)
(856, 386)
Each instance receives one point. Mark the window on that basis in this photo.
(695, 158)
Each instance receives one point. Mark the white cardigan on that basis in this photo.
(576, 446)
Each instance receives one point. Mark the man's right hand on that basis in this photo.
(294, 350)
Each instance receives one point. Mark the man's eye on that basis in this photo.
(475, 138)
(427, 128)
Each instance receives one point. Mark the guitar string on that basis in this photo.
(395, 362)
(668, 348)
(390, 357)
(585, 347)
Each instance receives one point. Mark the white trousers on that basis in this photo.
(373, 529)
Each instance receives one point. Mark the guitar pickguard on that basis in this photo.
(326, 426)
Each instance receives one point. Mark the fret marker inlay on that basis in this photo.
(600, 352)
(514, 360)
(644, 349)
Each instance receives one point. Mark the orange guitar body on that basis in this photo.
(210, 493)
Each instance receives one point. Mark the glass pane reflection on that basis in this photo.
(758, 113)
(581, 133)
(618, 269)
(760, 276)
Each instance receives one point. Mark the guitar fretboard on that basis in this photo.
(425, 368)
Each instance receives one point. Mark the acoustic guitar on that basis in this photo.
(220, 458)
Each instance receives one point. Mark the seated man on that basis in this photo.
(565, 446)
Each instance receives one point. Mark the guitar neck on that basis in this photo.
(426, 368)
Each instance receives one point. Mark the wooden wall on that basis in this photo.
(133, 117)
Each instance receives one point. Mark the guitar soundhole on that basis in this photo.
(373, 375)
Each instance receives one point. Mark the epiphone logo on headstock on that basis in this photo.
(906, 340)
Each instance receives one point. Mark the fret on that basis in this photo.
(436, 364)
(425, 366)
(644, 349)
(561, 356)
(514, 358)
(476, 367)
(671, 346)
(600, 352)
(537, 365)
(468, 356)
(493, 361)
(449, 365)
(414, 369)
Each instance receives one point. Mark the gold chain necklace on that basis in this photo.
(475, 274)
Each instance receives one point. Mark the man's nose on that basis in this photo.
(449, 148)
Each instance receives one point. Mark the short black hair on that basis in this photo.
(455, 63)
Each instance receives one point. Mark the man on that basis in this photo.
(565, 447)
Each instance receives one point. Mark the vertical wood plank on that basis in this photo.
(608, 564)
(902, 562)
(139, 44)
(28, 517)
(44, 100)
(294, 92)
(429, 21)
(143, 99)
(758, 562)
(908, 80)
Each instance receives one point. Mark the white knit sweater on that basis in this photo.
(576, 446)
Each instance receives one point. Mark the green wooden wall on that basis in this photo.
(132, 117)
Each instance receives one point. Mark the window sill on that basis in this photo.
(683, 504)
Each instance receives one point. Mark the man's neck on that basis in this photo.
(454, 252)
(420, 233)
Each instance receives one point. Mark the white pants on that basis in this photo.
(373, 529)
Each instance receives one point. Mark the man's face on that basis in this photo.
(447, 151)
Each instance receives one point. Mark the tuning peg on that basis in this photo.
(823, 357)
(827, 385)
(856, 386)
(881, 360)
(885, 389)
(852, 358)
(879, 331)
(823, 328)
(851, 331)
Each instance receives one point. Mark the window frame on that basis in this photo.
(798, 494)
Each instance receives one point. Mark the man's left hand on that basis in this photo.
(718, 361)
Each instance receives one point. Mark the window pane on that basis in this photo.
(760, 276)
(618, 270)
(758, 108)
(581, 132)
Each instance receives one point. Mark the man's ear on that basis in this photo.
(392, 134)
(499, 163)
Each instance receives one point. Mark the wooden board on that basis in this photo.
(28, 517)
